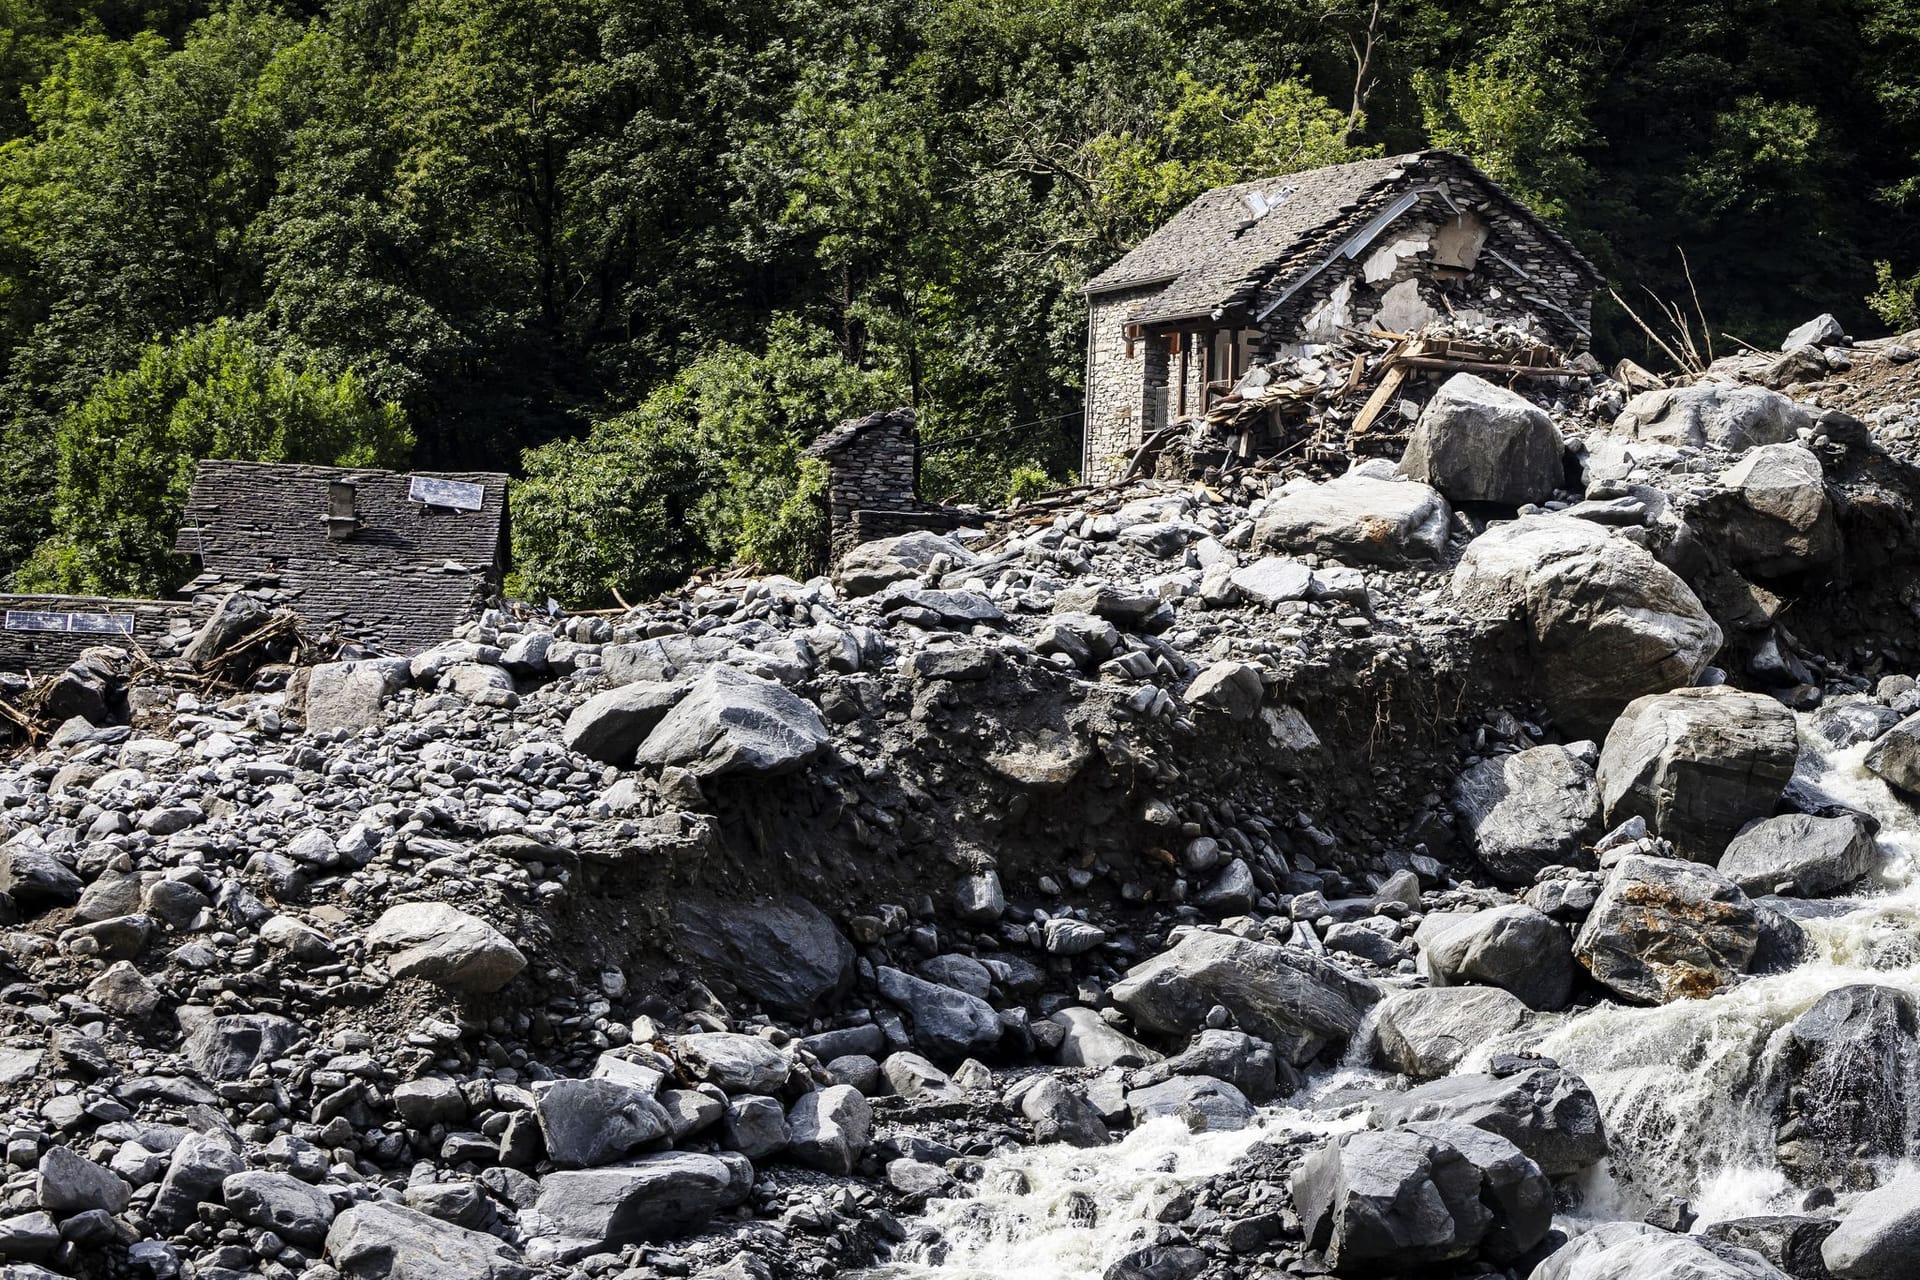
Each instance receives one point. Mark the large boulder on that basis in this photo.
(1358, 519)
(1665, 930)
(1478, 442)
(1698, 765)
(585, 1211)
(611, 725)
(1842, 1083)
(1799, 853)
(1528, 810)
(1598, 620)
(1879, 1236)
(446, 946)
(783, 952)
(1088, 1040)
(281, 1203)
(1896, 756)
(1779, 520)
(1515, 948)
(1425, 1032)
(947, 1022)
(1636, 1251)
(229, 1046)
(829, 1129)
(380, 1240)
(1200, 1102)
(732, 722)
(1297, 1001)
(351, 695)
(872, 566)
(589, 1122)
(1547, 1112)
(733, 1062)
(33, 877)
(1711, 414)
(1399, 1202)
(68, 1183)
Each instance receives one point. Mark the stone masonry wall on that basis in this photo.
(1116, 386)
(156, 625)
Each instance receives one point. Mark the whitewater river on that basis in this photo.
(1684, 1089)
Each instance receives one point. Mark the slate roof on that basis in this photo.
(406, 578)
(1214, 252)
(835, 441)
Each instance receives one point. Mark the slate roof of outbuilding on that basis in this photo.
(1214, 252)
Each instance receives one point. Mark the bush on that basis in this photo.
(1895, 301)
(125, 455)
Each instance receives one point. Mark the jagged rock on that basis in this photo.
(1358, 519)
(1243, 1061)
(1597, 619)
(1058, 1114)
(1232, 686)
(912, 1077)
(1202, 1102)
(1788, 1242)
(1664, 930)
(1896, 756)
(1086, 640)
(1843, 1081)
(611, 725)
(1548, 1113)
(946, 1022)
(1273, 579)
(1821, 331)
(1158, 1262)
(33, 877)
(830, 1129)
(1478, 442)
(68, 1183)
(1376, 1203)
(198, 1168)
(1637, 1251)
(784, 952)
(445, 946)
(1712, 414)
(1799, 853)
(754, 1125)
(124, 990)
(350, 695)
(1426, 1032)
(589, 1122)
(1065, 936)
(1514, 947)
(1698, 765)
(1782, 521)
(731, 722)
(872, 566)
(1879, 1234)
(1845, 722)
(656, 1197)
(230, 1046)
(380, 1240)
(1297, 1001)
(1091, 1041)
(426, 1102)
(1529, 810)
(280, 1203)
(732, 1062)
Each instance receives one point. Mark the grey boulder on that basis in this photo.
(280, 1203)
(351, 695)
(1547, 1112)
(1200, 1102)
(783, 952)
(732, 722)
(873, 565)
(1843, 1080)
(1800, 854)
(830, 1129)
(1778, 520)
(230, 1046)
(656, 1197)
(946, 1022)
(1636, 1251)
(68, 1183)
(611, 725)
(1478, 442)
(1358, 519)
(1298, 1002)
(1089, 1040)
(1596, 620)
(1059, 1114)
(1896, 756)
(380, 1240)
(1698, 765)
(1879, 1235)
(733, 1062)
(589, 1122)
(1711, 414)
(1424, 1033)
(1529, 810)
(1665, 930)
(1516, 948)
(445, 946)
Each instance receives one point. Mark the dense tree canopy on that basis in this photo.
(512, 223)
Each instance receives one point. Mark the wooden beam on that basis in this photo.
(1377, 402)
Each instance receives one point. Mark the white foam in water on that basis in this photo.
(1680, 1086)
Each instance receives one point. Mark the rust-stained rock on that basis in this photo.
(1666, 930)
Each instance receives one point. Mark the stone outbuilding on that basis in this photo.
(1282, 266)
(873, 481)
(398, 560)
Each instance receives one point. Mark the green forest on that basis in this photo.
(639, 254)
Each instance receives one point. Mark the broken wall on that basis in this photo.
(47, 633)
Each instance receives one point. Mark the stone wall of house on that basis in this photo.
(158, 626)
(402, 581)
(1116, 385)
(874, 466)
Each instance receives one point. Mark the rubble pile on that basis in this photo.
(732, 934)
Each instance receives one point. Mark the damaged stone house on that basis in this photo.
(1284, 266)
(395, 561)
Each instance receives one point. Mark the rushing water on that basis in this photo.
(1684, 1089)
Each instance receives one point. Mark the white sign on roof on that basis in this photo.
(436, 492)
(98, 624)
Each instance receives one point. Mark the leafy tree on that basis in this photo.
(125, 454)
